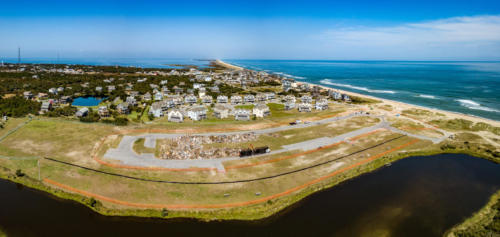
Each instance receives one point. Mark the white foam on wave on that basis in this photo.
(329, 82)
(474, 105)
(427, 96)
(288, 75)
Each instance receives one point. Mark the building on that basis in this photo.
(197, 113)
(53, 91)
(290, 98)
(346, 98)
(111, 88)
(147, 96)
(261, 97)
(190, 99)
(286, 84)
(304, 107)
(103, 111)
(236, 99)
(207, 99)
(221, 111)
(28, 95)
(222, 99)
(175, 116)
(249, 98)
(306, 99)
(270, 96)
(82, 112)
(289, 105)
(321, 105)
(98, 89)
(156, 109)
(158, 96)
(131, 101)
(65, 99)
(123, 108)
(242, 114)
(261, 110)
(46, 106)
(335, 95)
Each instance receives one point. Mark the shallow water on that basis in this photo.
(418, 196)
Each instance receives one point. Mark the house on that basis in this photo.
(289, 105)
(197, 85)
(175, 116)
(271, 95)
(177, 89)
(286, 84)
(123, 108)
(249, 98)
(335, 95)
(82, 112)
(304, 107)
(53, 91)
(215, 89)
(207, 99)
(346, 98)
(197, 113)
(242, 114)
(306, 99)
(236, 99)
(261, 97)
(202, 92)
(111, 88)
(165, 90)
(98, 89)
(221, 111)
(322, 105)
(28, 95)
(133, 93)
(163, 82)
(156, 109)
(261, 110)
(222, 99)
(131, 101)
(103, 111)
(190, 99)
(158, 96)
(290, 98)
(46, 106)
(147, 96)
(42, 96)
(65, 99)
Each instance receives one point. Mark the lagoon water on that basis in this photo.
(464, 87)
(417, 196)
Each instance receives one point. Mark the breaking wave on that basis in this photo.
(329, 82)
(474, 105)
(427, 96)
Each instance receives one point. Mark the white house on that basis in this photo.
(306, 99)
(175, 116)
(207, 99)
(321, 105)
(249, 99)
(242, 114)
(82, 112)
(221, 111)
(158, 96)
(197, 113)
(236, 99)
(304, 107)
(156, 110)
(222, 99)
(190, 99)
(289, 105)
(261, 110)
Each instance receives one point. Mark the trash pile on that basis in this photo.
(192, 147)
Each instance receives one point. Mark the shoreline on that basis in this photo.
(404, 105)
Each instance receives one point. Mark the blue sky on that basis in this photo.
(351, 30)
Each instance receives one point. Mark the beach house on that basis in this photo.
(197, 113)
(175, 116)
(190, 99)
(222, 99)
(261, 110)
(236, 99)
(123, 108)
(306, 99)
(82, 112)
(242, 114)
(321, 105)
(249, 98)
(207, 99)
(221, 111)
(103, 111)
(304, 107)
(289, 105)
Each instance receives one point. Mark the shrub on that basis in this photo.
(19, 173)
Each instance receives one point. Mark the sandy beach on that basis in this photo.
(399, 106)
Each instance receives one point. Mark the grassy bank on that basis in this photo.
(485, 222)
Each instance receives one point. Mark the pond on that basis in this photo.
(417, 196)
(86, 101)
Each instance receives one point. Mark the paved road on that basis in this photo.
(125, 153)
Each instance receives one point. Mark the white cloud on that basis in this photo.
(462, 37)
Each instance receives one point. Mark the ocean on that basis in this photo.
(465, 87)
